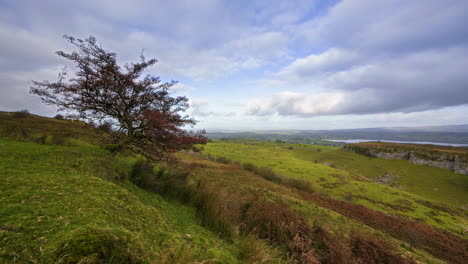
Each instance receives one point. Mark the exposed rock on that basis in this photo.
(441, 160)
(387, 179)
(389, 155)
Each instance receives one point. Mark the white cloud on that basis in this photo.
(390, 26)
(419, 82)
(290, 103)
(315, 66)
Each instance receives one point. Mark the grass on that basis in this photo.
(70, 200)
(254, 204)
(342, 175)
(438, 184)
(49, 192)
(40, 129)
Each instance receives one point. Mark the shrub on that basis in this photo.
(369, 249)
(59, 139)
(113, 148)
(249, 167)
(142, 174)
(223, 160)
(40, 139)
(59, 117)
(21, 114)
(198, 149)
(268, 174)
(300, 184)
(105, 127)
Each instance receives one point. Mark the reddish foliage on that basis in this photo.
(368, 249)
(162, 133)
(224, 207)
(278, 223)
(441, 244)
(140, 107)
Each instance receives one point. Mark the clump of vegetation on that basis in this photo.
(96, 245)
(253, 250)
(20, 114)
(369, 249)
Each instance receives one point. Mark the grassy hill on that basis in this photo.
(60, 202)
(65, 200)
(349, 176)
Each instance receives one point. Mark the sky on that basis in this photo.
(261, 65)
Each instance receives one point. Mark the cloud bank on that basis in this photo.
(385, 57)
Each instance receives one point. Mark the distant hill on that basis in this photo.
(457, 134)
(449, 128)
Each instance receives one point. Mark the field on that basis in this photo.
(66, 199)
(347, 175)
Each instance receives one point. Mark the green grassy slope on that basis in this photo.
(57, 186)
(343, 180)
(64, 197)
(46, 130)
(47, 192)
(234, 190)
(430, 182)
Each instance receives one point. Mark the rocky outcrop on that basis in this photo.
(388, 179)
(441, 160)
(390, 155)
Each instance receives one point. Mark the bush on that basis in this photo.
(59, 139)
(105, 127)
(198, 149)
(21, 114)
(249, 167)
(94, 246)
(368, 249)
(223, 160)
(59, 117)
(268, 174)
(113, 148)
(300, 184)
(40, 139)
(142, 174)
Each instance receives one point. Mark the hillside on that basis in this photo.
(445, 157)
(68, 200)
(60, 202)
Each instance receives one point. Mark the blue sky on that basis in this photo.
(253, 65)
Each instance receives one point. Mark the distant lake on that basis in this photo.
(397, 141)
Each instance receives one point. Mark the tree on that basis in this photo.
(139, 108)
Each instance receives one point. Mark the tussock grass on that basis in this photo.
(49, 193)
